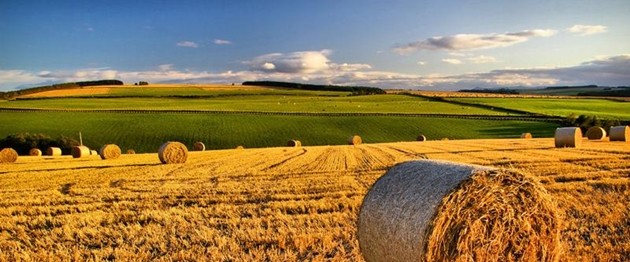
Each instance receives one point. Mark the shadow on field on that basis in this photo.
(515, 131)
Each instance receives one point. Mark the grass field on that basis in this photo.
(279, 204)
(604, 109)
(145, 132)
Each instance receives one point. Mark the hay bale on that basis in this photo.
(431, 210)
(131, 152)
(355, 140)
(421, 138)
(526, 136)
(109, 151)
(240, 147)
(596, 133)
(199, 146)
(93, 152)
(173, 153)
(53, 151)
(8, 155)
(294, 143)
(568, 137)
(35, 152)
(80, 151)
(620, 133)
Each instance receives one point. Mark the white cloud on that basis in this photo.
(296, 62)
(461, 42)
(585, 30)
(481, 59)
(452, 61)
(222, 42)
(422, 63)
(166, 67)
(190, 44)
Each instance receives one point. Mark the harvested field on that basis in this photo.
(282, 203)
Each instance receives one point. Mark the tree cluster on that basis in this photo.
(355, 90)
(24, 142)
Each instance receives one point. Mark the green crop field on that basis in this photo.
(606, 109)
(263, 103)
(145, 132)
(201, 91)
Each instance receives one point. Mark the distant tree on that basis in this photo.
(143, 83)
(24, 142)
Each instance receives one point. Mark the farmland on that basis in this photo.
(279, 204)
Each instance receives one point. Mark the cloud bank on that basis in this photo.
(461, 42)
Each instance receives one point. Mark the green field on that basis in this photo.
(263, 103)
(200, 91)
(145, 132)
(604, 109)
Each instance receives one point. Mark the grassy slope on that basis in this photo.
(145, 132)
(559, 107)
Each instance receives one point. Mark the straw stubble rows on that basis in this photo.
(279, 203)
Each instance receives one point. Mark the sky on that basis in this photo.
(430, 45)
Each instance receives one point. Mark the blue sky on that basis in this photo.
(392, 44)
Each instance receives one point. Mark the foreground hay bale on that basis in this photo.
(294, 143)
(173, 153)
(35, 152)
(568, 137)
(199, 146)
(596, 133)
(109, 151)
(620, 133)
(526, 136)
(443, 211)
(53, 151)
(8, 155)
(421, 138)
(80, 151)
(355, 140)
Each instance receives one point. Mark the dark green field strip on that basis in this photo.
(315, 114)
(145, 132)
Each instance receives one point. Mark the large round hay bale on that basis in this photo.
(620, 133)
(294, 143)
(596, 133)
(53, 151)
(199, 146)
(355, 140)
(109, 151)
(34, 152)
(568, 137)
(526, 136)
(80, 151)
(421, 138)
(173, 153)
(8, 155)
(431, 210)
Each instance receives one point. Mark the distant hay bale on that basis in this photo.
(109, 151)
(431, 210)
(53, 151)
(355, 140)
(240, 147)
(444, 139)
(294, 143)
(596, 133)
(173, 153)
(35, 152)
(421, 138)
(620, 133)
(526, 136)
(80, 151)
(199, 146)
(131, 151)
(568, 137)
(8, 155)
(93, 152)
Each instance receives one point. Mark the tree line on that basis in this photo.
(71, 85)
(355, 90)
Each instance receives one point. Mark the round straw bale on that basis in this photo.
(568, 137)
(80, 151)
(34, 152)
(526, 135)
(109, 151)
(620, 133)
(53, 151)
(355, 140)
(93, 152)
(240, 147)
(431, 210)
(294, 143)
(199, 146)
(173, 153)
(596, 133)
(8, 155)
(421, 138)
(131, 151)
